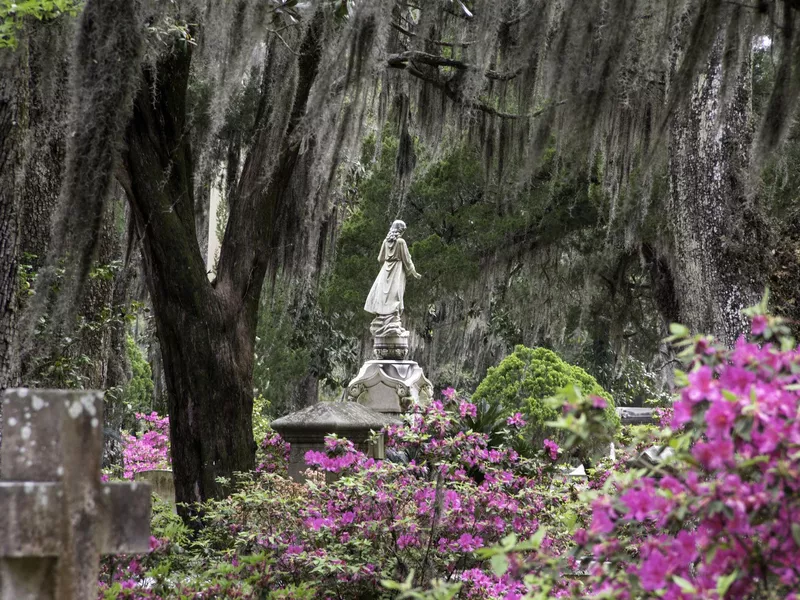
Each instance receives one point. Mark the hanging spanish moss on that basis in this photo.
(106, 59)
(600, 78)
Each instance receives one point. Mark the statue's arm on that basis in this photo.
(382, 253)
(405, 255)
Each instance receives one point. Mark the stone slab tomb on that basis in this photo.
(306, 429)
(56, 517)
(162, 483)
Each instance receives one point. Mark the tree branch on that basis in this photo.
(156, 174)
(260, 206)
(481, 106)
(401, 60)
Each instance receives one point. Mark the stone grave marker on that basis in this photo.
(306, 429)
(56, 517)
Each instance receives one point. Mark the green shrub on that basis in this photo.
(260, 419)
(138, 393)
(523, 380)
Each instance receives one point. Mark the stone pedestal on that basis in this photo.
(390, 386)
(306, 429)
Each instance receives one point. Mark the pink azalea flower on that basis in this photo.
(654, 571)
(467, 409)
(467, 542)
(516, 420)
(639, 503)
(759, 325)
(720, 418)
(598, 402)
(713, 455)
(551, 447)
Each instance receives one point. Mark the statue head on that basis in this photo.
(396, 230)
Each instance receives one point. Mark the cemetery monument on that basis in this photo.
(389, 383)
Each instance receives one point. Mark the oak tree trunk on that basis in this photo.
(718, 244)
(206, 331)
(11, 126)
(205, 346)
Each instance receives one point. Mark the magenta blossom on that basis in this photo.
(467, 409)
(598, 402)
(759, 325)
(516, 420)
(551, 447)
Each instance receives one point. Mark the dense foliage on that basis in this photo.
(718, 519)
(380, 520)
(138, 392)
(14, 14)
(574, 176)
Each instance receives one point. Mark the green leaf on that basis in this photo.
(499, 564)
(534, 542)
(509, 541)
(679, 330)
(796, 533)
(403, 586)
(569, 519)
(750, 462)
(723, 583)
(684, 584)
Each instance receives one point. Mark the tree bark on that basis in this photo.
(98, 306)
(13, 123)
(717, 253)
(50, 65)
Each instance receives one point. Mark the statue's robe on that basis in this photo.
(386, 295)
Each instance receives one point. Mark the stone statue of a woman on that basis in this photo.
(385, 299)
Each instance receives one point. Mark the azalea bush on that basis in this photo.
(423, 517)
(148, 449)
(719, 519)
(722, 518)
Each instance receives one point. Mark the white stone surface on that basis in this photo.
(390, 386)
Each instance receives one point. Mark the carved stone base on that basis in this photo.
(391, 347)
(390, 386)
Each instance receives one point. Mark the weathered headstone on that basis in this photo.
(632, 415)
(56, 517)
(656, 455)
(162, 484)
